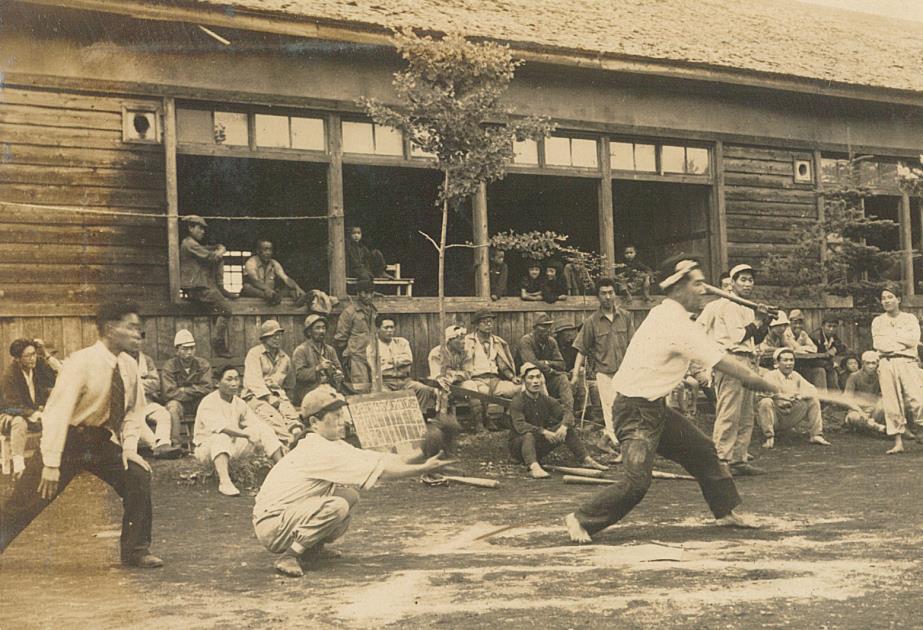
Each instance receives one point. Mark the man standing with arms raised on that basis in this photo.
(655, 362)
(92, 422)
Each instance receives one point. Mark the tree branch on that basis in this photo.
(429, 238)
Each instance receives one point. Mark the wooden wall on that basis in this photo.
(762, 201)
(66, 150)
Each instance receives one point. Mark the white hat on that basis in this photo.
(453, 331)
(780, 319)
(870, 355)
(183, 338)
(320, 399)
(526, 368)
(740, 269)
(269, 328)
(781, 351)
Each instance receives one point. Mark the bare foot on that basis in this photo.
(575, 530)
(819, 439)
(538, 472)
(737, 521)
(615, 459)
(895, 450)
(589, 462)
(769, 443)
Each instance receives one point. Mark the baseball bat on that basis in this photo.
(579, 472)
(656, 474)
(773, 310)
(475, 481)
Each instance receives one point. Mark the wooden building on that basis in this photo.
(705, 126)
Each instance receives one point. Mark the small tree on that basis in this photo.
(449, 106)
(851, 265)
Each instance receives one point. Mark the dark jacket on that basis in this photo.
(824, 344)
(547, 357)
(16, 399)
(197, 264)
(176, 384)
(532, 415)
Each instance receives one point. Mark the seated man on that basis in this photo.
(827, 341)
(849, 366)
(200, 277)
(303, 503)
(794, 404)
(530, 287)
(540, 424)
(446, 367)
(26, 384)
(166, 430)
(566, 334)
(800, 341)
(637, 275)
(554, 288)
(499, 274)
(267, 372)
(262, 274)
(395, 360)
(315, 363)
(778, 335)
(185, 379)
(540, 349)
(226, 428)
(360, 260)
(490, 364)
(865, 384)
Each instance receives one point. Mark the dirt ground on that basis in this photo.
(839, 548)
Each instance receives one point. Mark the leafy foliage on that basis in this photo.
(542, 246)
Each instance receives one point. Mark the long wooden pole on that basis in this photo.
(170, 177)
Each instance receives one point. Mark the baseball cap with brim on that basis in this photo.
(183, 338)
(269, 328)
(321, 399)
(482, 314)
(795, 314)
(526, 368)
(562, 327)
(543, 319)
(780, 351)
(194, 219)
(781, 319)
(739, 269)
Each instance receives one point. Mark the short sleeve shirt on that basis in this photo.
(604, 340)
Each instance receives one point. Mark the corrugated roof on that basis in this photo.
(781, 37)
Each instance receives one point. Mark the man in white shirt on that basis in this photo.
(92, 422)
(795, 403)
(490, 366)
(395, 360)
(267, 373)
(655, 362)
(227, 428)
(302, 504)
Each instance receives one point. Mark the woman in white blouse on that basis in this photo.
(896, 335)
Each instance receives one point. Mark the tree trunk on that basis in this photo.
(442, 238)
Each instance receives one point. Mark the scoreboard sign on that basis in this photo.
(387, 421)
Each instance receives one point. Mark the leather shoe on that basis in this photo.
(167, 451)
(145, 560)
(746, 470)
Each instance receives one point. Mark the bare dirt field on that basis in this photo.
(839, 548)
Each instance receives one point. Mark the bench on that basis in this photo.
(402, 286)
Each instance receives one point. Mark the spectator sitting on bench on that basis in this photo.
(26, 384)
(490, 363)
(532, 284)
(185, 379)
(637, 274)
(262, 274)
(395, 361)
(201, 269)
(166, 427)
(314, 361)
(267, 374)
(226, 428)
(362, 261)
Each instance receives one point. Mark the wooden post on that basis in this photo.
(605, 208)
(481, 237)
(720, 238)
(169, 150)
(821, 214)
(906, 245)
(336, 227)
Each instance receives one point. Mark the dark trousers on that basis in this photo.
(212, 300)
(647, 428)
(530, 448)
(92, 451)
(441, 432)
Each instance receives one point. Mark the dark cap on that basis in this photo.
(542, 319)
(483, 313)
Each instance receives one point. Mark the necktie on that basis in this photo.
(116, 402)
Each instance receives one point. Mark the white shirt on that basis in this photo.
(896, 335)
(730, 325)
(394, 357)
(661, 350)
(30, 382)
(214, 414)
(312, 469)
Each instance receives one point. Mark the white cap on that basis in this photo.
(183, 338)
(781, 351)
(453, 331)
(739, 269)
(870, 355)
(780, 319)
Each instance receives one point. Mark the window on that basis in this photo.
(864, 172)
(666, 159)
(525, 152)
(372, 139)
(234, 270)
(230, 128)
(562, 151)
(673, 159)
(270, 131)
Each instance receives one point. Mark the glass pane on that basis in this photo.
(272, 131)
(231, 129)
(525, 152)
(829, 171)
(868, 173)
(584, 152)
(621, 156)
(357, 137)
(557, 151)
(194, 125)
(646, 158)
(308, 133)
(887, 171)
(389, 141)
(673, 159)
(696, 161)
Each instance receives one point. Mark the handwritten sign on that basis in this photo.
(387, 420)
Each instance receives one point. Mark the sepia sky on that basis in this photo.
(901, 9)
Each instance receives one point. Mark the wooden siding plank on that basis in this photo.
(766, 222)
(783, 235)
(768, 167)
(62, 175)
(17, 213)
(52, 332)
(764, 180)
(772, 195)
(74, 298)
(59, 157)
(25, 115)
(88, 236)
(762, 208)
(72, 336)
(61, 100)
(85, 254)
(40, 273)
(40, 135)
(764, 153)
(151, 200)
(758, 250)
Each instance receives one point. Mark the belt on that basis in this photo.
(742, 353)
(889, 355)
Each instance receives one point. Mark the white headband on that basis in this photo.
(681, 270)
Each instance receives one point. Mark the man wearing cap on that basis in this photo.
(540, 424)
(267, 372)
(227, 428)
(866, 386)
(307, 499)
(794, 403)
(778, 335)
(447, 360)
(829, 343)
(738, 329)
(603, 338)
(185, 379)
(354, 333)
(489, 362)
(262, 274)
(655, 362)
(395, 360)
(200, 277)
(541, 349)
(800, 341)
(314, 361)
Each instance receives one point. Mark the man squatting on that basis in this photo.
(655, 362)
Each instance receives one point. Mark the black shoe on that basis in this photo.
(143, 560)
(167, 451)
(743, 469)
